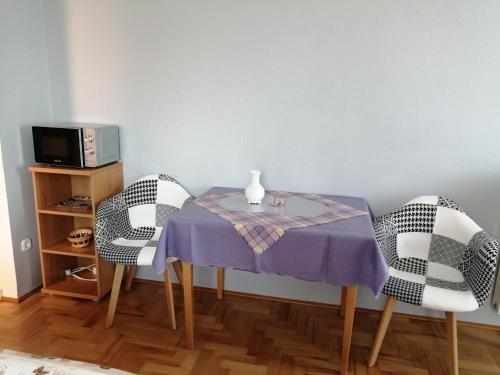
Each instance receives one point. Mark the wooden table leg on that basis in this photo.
(342, 302)
(178, 270)
(187, 283)
(220, 282)
(350, 306)
(169, 297)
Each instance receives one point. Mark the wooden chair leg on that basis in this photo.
(451, 328)
(130, 277)
(220, 282)
(342, 302)
(115, 291)
(178, 270)
(169, 293)
(382, 329)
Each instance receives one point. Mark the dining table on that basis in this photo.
(307, 236)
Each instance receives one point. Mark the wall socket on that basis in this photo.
(26, 244)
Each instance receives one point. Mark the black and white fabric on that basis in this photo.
(129, 224)
(438, 257)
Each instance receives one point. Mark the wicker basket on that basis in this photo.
(80, 237)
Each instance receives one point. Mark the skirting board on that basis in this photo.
(22, 298)
(320, 304)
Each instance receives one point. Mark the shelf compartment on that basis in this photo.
(53, 188)
(55, 228)
(64, 248)
(56, 281)
(72, 287)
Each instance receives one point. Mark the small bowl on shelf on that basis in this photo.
(80, 237)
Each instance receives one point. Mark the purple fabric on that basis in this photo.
(262, 229)
(342, 253)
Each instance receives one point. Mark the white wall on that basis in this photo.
(24, 100)
(8, 281)
(382, 99)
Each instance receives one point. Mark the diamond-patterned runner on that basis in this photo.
(262, 229)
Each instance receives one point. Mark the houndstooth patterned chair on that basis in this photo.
(438, 258)
(128, 227)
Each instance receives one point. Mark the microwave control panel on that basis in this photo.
(101, 145)
(89, 147)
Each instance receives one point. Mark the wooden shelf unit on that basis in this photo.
(51, 185)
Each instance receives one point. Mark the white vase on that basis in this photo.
(255, 191)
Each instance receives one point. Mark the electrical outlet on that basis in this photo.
(26, 244)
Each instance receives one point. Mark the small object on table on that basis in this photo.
(77, 202)
(255, 191)
(276, 201)
(80, 237)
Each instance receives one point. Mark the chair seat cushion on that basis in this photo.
(446, 290)
(136, 247)
(444, 299)
(144, 249)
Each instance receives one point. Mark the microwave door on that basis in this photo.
(59, 146)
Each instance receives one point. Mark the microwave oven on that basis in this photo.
(76, 145)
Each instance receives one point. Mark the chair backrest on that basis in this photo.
(431, 227)
(152, 199)
(433, 236)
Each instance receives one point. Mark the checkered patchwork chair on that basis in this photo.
(438, 258)
(128, 227)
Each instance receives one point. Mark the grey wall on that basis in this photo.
(24, 99)
(383, 99)
(8, 280)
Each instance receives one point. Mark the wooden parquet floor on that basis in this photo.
(234, 337)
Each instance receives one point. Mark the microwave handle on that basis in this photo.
(80, 143)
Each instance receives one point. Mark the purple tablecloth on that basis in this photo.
(341, 253)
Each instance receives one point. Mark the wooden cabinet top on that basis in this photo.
(40, 168)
